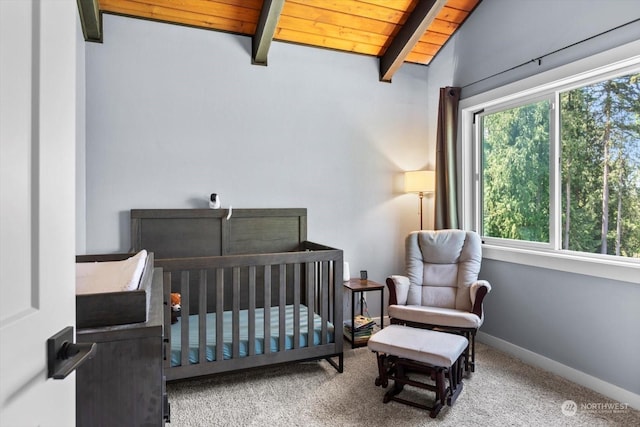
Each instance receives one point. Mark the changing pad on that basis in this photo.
(110, 276)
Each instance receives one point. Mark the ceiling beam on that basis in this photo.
(408, 36)
(269, 16)
(91, 20)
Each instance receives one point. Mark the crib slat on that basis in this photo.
(310, 302)
(219, 314)
(252, 310)
(166, 276)
(311, 280)
(296, 305)
(267, 309)
(184, 318)
(202, 318)
(324, 300)
(335, 294)
(282, 289)
(318, 284)
(236, 312)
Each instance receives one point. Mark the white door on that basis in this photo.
(37, 213)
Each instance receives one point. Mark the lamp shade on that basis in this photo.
(419, 181)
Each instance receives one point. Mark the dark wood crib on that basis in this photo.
(254, 291)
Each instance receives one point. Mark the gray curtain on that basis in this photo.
(446, 203)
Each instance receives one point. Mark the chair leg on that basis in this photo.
(472, 343)
(470, 352)
(441, 386)
(398, 384)
(455, 381)
(467, 352)
(383, 379)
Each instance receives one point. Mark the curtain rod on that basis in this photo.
(539, 59)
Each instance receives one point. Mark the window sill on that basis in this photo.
(626, 271)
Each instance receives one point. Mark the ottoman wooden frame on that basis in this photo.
(401, 350)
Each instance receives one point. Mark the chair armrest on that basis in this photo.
(398, 289)
(478, 291)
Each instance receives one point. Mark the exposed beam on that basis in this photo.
(269, 16)
(91, 20)
(408, 36)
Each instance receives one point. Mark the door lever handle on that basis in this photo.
(64, 356)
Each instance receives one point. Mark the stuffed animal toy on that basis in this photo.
(175, 306)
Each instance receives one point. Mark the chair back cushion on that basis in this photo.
(441, 266)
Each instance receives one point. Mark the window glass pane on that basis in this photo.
(515, 173)
(600, 143)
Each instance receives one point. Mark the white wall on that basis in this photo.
(582, 323)
(176, 113)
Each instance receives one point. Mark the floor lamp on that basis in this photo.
(420, 182)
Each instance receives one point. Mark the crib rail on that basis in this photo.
(309, 280)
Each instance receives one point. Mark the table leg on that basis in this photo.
(381, 308)
(353, 315)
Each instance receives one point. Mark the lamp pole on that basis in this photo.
(421, 196)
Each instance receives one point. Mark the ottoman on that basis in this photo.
(439, 356)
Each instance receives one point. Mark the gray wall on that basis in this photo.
(176, 113)
(502, 34)
(589, 324)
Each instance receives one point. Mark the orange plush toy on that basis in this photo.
(175, 306)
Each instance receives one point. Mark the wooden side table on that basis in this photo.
(361, 286)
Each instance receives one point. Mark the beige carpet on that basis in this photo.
(503, 391)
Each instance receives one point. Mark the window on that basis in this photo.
(556, 168)
(600, 167)
(515, 172)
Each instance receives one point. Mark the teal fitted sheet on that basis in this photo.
(274, 342)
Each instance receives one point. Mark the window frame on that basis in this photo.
(616, 62)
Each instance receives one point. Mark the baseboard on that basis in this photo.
(609, 390)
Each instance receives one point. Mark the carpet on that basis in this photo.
(502, 392)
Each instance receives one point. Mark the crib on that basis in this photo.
(254, 291)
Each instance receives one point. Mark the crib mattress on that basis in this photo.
(176, 330)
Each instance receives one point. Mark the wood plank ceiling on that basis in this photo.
(396, 31)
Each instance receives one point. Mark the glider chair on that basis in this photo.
(441, 290)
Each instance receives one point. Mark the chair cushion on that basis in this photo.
(437, 296)
(422, 345)
(441, 265)
(435, 316)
